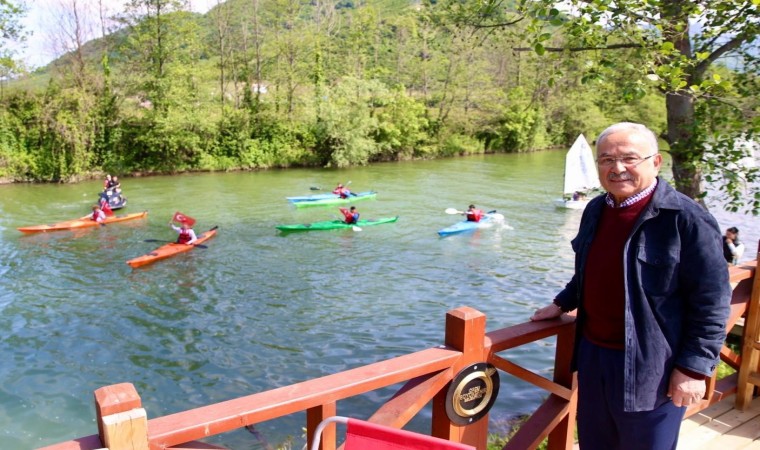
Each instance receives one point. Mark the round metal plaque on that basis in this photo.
(472, 393)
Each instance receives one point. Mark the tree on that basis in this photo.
(10, 31)
(683, 45)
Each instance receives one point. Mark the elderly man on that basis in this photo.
(652, 293)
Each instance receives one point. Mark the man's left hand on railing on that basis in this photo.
(547, 312)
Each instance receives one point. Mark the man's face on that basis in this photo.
(623, 180)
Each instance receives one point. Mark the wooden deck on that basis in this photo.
(721, 427)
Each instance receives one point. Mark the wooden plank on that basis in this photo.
(198, 445)
(739, 437)
(126, 430)
(706, 415)
(750, 355)
(539, 424)
(531, 377)
(410, 399)
(718, 426)
(91, 442)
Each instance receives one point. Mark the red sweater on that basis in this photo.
(604, 278)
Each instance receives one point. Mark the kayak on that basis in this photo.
(488, 220)
(169, 250)
(334, 224)
(334, 199)
(311, 198)
(83, 222)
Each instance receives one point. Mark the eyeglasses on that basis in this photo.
(627, 161)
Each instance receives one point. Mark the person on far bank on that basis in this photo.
(473, 214)
(652, 292)
(186, 234)
(350, 216)
(733, 249)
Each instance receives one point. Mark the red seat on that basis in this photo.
(363, 435)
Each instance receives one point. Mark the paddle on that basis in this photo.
(456, 211)
(315, 188)
(172, 242)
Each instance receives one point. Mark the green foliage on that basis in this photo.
(255, 84)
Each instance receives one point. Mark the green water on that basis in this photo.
(257, 309)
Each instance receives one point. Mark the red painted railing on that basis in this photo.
(123, 423)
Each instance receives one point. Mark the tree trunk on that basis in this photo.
(684, 151)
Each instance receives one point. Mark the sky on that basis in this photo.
(43, 20)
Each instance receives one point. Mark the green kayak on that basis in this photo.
(334, 224)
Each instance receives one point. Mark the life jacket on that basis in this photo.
(184, 236)
(105, 208)
(342, 192)
(475, 215)
(96, 215)
(350, 218)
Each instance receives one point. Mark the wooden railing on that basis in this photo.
(123, 423)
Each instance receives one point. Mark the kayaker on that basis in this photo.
(351, 215)
(97, 214)
(186, 234)
(473, 214)
(342, 191)
(107, 182)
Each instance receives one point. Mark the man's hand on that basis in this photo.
(685, 390)
(546, 313)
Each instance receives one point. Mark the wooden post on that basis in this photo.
(563, 435)
(749, 375)
(122, 422)
(316, 415)
(465, 331)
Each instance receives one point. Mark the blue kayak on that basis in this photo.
(311, 198)
(329, 199)
(335, 200)
(488, 220)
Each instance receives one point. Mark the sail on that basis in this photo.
(580, 168)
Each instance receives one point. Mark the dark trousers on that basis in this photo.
(602, 423)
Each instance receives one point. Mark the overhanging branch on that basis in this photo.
(579, 49)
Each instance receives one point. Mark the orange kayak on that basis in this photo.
(169, 250)
(83, 222)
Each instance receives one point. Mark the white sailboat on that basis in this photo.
(580, 175)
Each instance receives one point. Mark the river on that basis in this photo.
(257, 309)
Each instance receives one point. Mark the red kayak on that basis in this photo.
(169, 250)
(84, 222)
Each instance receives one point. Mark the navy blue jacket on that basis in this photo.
(677, 292)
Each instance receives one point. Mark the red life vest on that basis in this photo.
(184, 236)
(105, 208)
(475, 215)
(342, 192)
(350, 217)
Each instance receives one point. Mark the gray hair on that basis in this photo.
(637, 128)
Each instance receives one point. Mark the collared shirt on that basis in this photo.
(632, 199)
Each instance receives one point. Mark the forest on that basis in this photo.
(261, 84)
